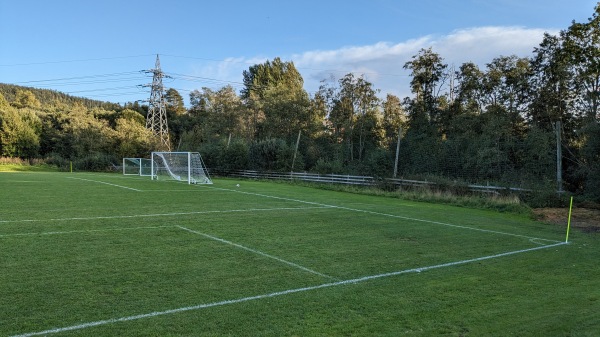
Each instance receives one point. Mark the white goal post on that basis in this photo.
(181, 166)
(137, 167)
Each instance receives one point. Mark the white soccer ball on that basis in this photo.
(238, 185)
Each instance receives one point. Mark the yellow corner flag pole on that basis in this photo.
(569, 221)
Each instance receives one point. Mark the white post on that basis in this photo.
(189, 155)
(152, 166)
(397, 151)
(123, 166)
(296, 151)
(559, 157)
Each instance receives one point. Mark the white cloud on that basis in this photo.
(382, 63)
(481, 45)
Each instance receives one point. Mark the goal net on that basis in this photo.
(182, 166)
(137, 166)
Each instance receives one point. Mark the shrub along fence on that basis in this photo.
(364, 181)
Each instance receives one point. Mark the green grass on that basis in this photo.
(26, 168)
(270, 259)
(502, 203)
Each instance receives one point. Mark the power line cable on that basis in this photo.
(103, 89)
(72, 61)
(78, 77)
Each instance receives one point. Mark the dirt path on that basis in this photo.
(584, 218)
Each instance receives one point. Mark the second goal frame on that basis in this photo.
(180, 166)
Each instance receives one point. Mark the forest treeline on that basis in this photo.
(499, 124)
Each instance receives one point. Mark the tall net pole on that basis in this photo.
(156, 120)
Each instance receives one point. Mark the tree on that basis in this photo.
(590, 158)
(469, 98)
(132, 115)
(261, 82)
(260, 77)
(133, 139)
(80, 134)
(271, 155)
(26, 99)
(394, 118)
(19, 132)
(551, 82)
(422, 143)
(354, 107)
(566, 88)
(3, 102)
(506, 87)
(428, 74)
(218, 113)
(174, 101)
(582, 45)
(229, 112)
(286, 113)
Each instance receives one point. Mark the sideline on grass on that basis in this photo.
(531, 238)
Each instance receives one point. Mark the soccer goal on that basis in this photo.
(137, 167)
(182, 166)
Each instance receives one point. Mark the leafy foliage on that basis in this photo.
(19, 133)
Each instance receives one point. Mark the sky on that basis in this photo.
(100, 49)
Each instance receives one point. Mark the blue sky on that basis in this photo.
(97, 49)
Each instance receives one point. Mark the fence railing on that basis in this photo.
(353, 180)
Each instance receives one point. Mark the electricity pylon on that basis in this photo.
(156, 120)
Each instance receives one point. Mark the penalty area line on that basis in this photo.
(280, 293)
(105, 183)
(256, 252)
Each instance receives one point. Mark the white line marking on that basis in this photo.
(257, 252)
(385, 214)
(105, 183)
(115, 176)
(278, 293)
(84, 231)
(163, 214)
(450, 225)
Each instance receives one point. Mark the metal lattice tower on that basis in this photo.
(156, 120)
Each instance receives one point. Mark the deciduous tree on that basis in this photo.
(19, 132)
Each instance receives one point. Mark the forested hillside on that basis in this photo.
(499, 124)
(49, 97)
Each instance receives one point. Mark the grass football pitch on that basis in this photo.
(85, 254)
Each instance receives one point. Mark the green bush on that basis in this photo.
(57, 160)
(234, 156)
(211, 154)
(324, 166)
(95, 162)
(271, 155)
(378, 164)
